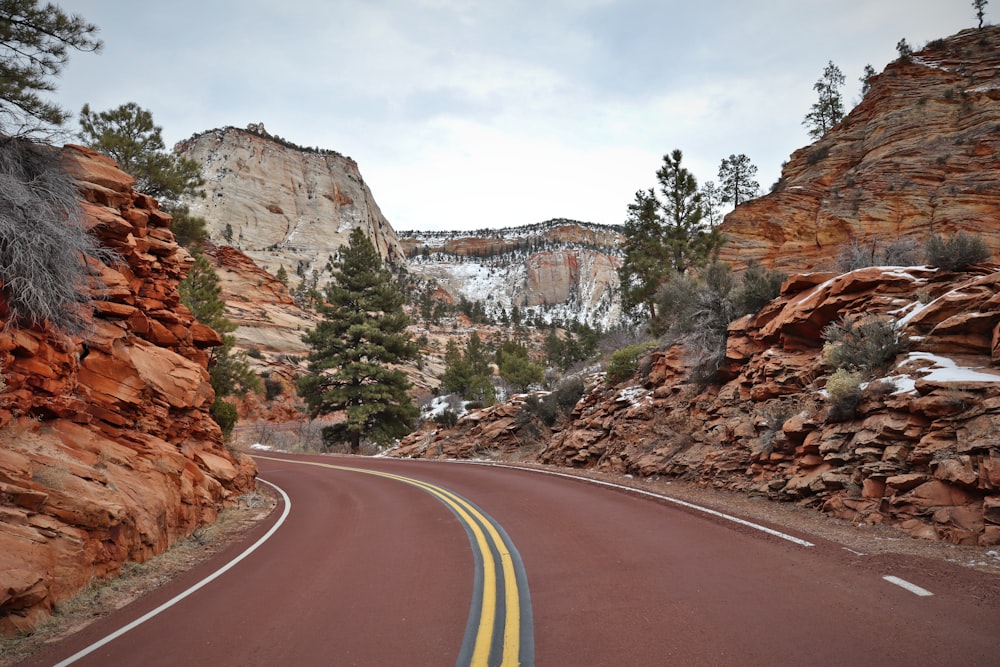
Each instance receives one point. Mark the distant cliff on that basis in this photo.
(919, 154)
(556, 270)
(280, 204)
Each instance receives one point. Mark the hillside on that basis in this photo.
(919, 154)
(280, 204)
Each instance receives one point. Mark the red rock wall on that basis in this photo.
(107, 450)
(919, 154)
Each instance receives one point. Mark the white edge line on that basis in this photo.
(622, 487)
(204, 582)
(903, 583)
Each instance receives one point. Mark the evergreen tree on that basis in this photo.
(866, 79)
(282, 275)
(980, 7)
(189, 231)
(35, 42)
(516, 367)
(129, 136)
(469, 375)
(829, 108)
(711, 197)
(736, 178)
(229, 372)
(664, 235)
(354, 348)
(905, 50)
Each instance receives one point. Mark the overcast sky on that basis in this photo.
(467, 114)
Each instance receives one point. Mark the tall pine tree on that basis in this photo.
(736, 176)
(664, 235)
(34, 47)
(354, 348)
(829, 107)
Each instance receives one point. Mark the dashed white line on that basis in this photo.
(903, 583)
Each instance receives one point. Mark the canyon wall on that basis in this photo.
(919, 154)
(283, 205)
(108, 453)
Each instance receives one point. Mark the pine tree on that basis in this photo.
(35, 41)
(866, 79)
(829, 108)
(980, 7)
(354, 348)
(129, 137)
(229, 372)
(664, 235)
(516, 367)
(711, 197)
(736, 178)
(469, 374)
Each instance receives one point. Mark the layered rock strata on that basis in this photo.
(108, 453)
(283, 205)
(919, 154)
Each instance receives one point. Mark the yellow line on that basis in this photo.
(487, 616)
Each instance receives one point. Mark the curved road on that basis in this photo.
(386, 562)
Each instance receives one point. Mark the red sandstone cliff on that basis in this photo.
(920, 153)
(107, 450)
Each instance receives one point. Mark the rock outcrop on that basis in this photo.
(280, 204)
(921, 452)
(108, 453)
(558, 270)
(919, 154)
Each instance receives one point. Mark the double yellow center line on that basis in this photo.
(499, 631)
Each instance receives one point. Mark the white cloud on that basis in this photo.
(463, 113)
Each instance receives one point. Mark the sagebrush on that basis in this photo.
(956, 253)
(866, 345)
(44, 247)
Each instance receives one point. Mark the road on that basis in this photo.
(386, 562)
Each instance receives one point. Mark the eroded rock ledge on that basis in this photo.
(107, 450)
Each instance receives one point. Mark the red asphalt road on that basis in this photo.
(372, 571)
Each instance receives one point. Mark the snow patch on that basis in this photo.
(633, 395)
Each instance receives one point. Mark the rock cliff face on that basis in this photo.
(922, 451)
(560, 269)
(919, 154)
(280, 204)
(107, 450)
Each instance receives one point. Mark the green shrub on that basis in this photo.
(957, 253)
(225, 415)
(865, 345)
(446, 418)
(843, 391)
(624, 363)
(255, 353)
(273, 388)
(758, 288)
(567, 394)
